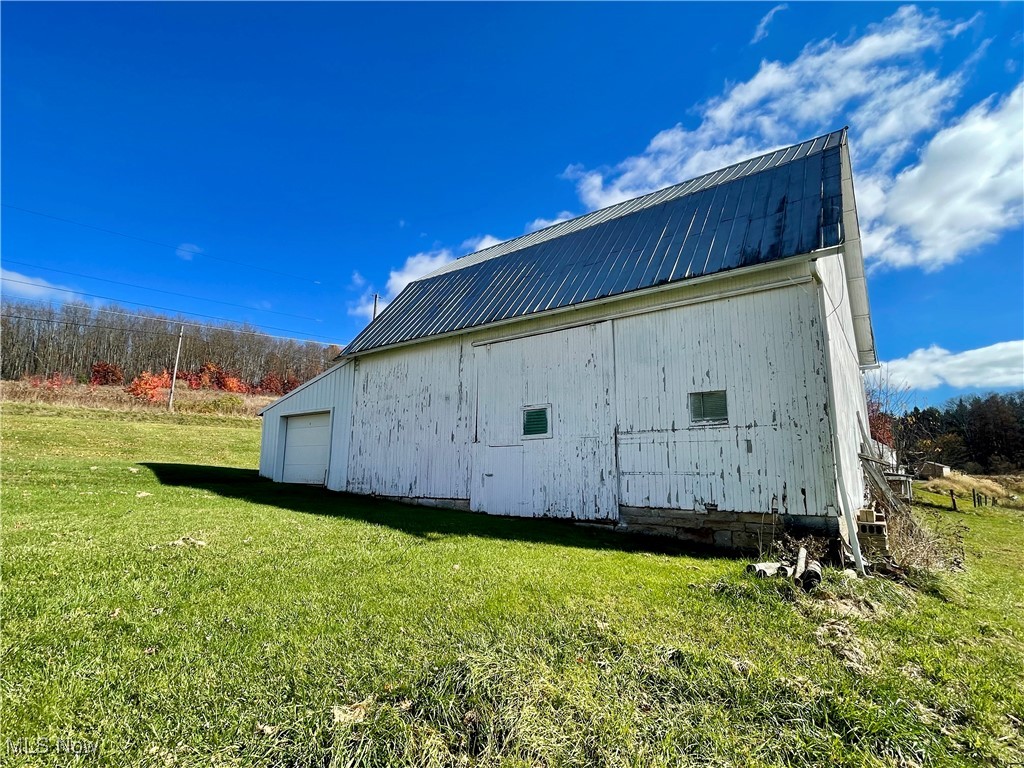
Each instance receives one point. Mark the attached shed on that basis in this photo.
(688, 362)
(305, 433)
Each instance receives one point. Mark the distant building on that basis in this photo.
(931, 470)
(688, 362)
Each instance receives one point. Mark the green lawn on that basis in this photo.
(321, 629)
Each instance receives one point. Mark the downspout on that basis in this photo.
(851, 523)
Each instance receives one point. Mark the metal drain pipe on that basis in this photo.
(851, 522)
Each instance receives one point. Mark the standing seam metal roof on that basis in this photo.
(768, 208)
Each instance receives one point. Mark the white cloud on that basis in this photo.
(966, 190)
(479, 243)
(996, 366)
(187, 251)
(784, 102)
(902, 108)
(28, 287)
(962, 191)
(415, 267)
(542, 223)
(762, 26)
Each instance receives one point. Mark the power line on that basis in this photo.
(88, 325)
(155, 242)
(159, 290)
(158, 318)
(169, 321)
(140, 304)
(172, 321)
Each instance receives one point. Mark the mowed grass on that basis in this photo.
(318, 629)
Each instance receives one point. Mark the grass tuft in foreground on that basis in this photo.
(165, 604)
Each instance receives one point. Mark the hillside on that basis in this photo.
(165, 606)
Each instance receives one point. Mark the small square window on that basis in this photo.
(709, 407)
(536, 421)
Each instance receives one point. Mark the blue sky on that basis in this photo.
(295, 158)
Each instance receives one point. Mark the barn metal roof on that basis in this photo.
(776, 206)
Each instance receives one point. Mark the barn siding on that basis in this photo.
(412, 422)
(656, 299)
(766, 350)
(846, 377)
(570, 474)
(441, 420)
(332, 391)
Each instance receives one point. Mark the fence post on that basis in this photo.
(952, 498)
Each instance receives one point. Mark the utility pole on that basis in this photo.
(375, 297)
(174, 376)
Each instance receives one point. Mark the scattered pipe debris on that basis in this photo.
(811, 577)
(764, 570)
(801, 564)
(806, 574)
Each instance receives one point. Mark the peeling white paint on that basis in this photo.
(442, 419)
(412, 423)
(765, 350)
(572, 473)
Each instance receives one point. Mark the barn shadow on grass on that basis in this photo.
(424, 522)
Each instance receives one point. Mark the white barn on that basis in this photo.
(688, 362)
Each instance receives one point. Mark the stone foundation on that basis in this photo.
(723, 530)
(460, 504)
(743, 531)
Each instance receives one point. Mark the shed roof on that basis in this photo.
(779, 205)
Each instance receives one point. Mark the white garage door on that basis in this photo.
(307, 447)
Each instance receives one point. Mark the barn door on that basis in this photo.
(499, 478)
(545, 426)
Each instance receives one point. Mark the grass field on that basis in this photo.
(164, 606)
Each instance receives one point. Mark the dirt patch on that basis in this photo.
(851, 607)
(352, 713)
(186, 541)
(837, 636)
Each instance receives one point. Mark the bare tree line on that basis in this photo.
(69, 339)
(975, 434)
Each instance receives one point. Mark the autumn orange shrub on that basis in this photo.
(234, 384)
(271, 384)
(147, 386)
(210, 376)
(106, 374)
